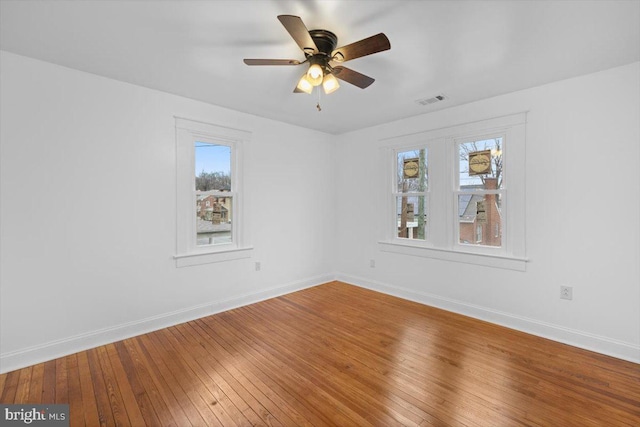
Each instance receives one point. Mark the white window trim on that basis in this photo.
(188, 253)
(442, 225)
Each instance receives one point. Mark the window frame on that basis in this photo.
(443, 167)
(457, 191)
(395, 193)
(188, 252)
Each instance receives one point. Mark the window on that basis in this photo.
(210, 225)
(213, 185)
(457, 193)
(480, 192)
(411, 193)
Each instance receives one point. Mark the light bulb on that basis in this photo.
(304, 84)
(330, 84)
(314, 75)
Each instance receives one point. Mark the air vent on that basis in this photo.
(432, 100)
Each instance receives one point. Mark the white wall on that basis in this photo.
(88, 215)
(582, 216)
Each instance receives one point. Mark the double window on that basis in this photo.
(458, 193)
(210, 225)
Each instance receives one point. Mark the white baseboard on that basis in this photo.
(584, 340)
(37, 354)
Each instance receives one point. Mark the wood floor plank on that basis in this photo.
(232, 389)
(184, 379)
(62, 390)
(24, 384)
(275, 375)
(3, 380)
(111, 389)
(315, 379)
(75, 390)
(140, 394)
(377, 357)
(238, 367)
(102, 401)
(89, 406)
(331, 355)
(49, 382)
(164, 378)
(35, 389)
(379, 407)
(352, 359)
(137, 406)
(10, 387)
(223, 407)
(446, 365)
(147, 393)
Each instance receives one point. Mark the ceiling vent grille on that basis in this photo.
(432, 100)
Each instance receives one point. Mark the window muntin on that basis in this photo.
(411, 184)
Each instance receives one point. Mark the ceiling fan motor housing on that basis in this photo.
(325, 41)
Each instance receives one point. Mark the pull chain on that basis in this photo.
(318, 105)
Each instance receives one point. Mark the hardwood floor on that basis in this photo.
(336, 355)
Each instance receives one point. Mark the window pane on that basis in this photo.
(480, 219)
(213, 218)
(412, 171)
(481, 164)
(213, 167)
(411, 214)
(213, 211)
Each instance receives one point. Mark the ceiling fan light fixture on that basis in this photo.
(305, 85)
(315, 74)
(330, 84)
(319, 48)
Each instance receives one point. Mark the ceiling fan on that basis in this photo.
(319, 47)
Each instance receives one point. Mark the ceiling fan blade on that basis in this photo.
(299, 32)
(364, 47)
(353, 77)
(272, 62)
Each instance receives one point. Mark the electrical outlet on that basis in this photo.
(566, 292)
(258, 266)
(372, 263)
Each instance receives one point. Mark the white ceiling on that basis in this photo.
(466, 50)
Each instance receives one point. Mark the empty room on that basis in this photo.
(320, 213)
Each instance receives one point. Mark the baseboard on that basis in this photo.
(587, 341)
(37, 354)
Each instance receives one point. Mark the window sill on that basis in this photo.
(488, 260)
(188, 260)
